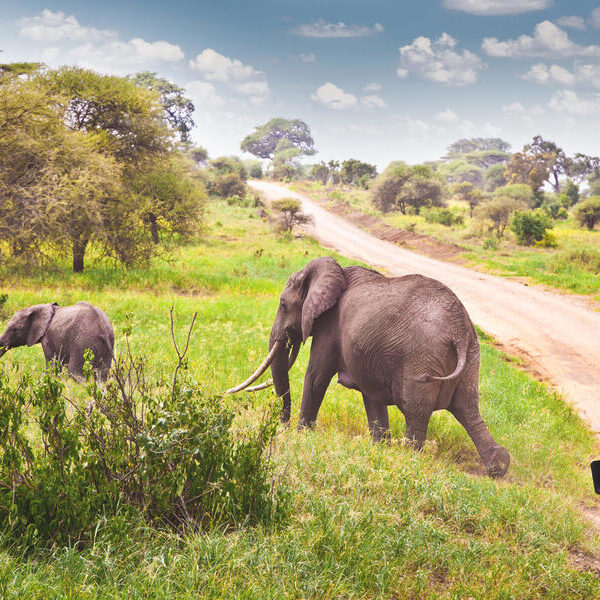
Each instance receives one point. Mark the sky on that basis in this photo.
(374, 80)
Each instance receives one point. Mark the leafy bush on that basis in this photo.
(443, 216)
(289, 214)
(166, 454)
(496, 213)
(229, 185)
(587, 213)
(530, 226)
(490, 243)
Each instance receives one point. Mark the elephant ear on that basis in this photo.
(326, 284)
(40, 317)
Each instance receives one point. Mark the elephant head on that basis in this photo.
(307, 295)
(27, 326)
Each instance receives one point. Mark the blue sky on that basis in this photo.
(375, 80)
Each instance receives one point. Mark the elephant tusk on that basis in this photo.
(258, 372)
(260, 386)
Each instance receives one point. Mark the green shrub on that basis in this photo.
(587, 213)
(530, 226)
(162, 452)
(443, 216)
(490, 243)
(228, 185)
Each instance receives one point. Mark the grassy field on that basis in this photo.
(574, 265)
(368, 521)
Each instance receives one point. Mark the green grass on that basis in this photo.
(369, 521)
(573, 266)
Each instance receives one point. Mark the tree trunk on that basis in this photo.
(79, 246)
(153, 227)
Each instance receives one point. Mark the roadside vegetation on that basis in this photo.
(529, 214)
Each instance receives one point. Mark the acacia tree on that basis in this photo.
(177, 108)
(282, 138)
(357, 172)
(320, 171)
(400, 186)
(84, 141)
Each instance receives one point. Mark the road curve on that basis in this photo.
(558, 334)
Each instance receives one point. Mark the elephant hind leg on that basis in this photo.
(418, 404)
(465, 408)
(378, 418)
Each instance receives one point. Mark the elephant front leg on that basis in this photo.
(316, 381)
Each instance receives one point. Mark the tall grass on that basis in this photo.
(369, 521)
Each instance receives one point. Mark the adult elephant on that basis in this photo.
(404, 341)
(65, 332)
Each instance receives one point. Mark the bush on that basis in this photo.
(228, 185)
(443, 216)
(530, 226)
(166, 454)
(289, 213)
(490, 243)
(587, 213)
(497, 213)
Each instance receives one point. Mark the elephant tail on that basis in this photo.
(461, 350)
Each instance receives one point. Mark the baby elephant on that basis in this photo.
(65, 332)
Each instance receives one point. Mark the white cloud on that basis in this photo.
(543, 74)
(585, 74)
(116, 57)
(217, 67)
(496, 7)
(447, 116)
(548, 40)
(439, 61)
(322, 29)
(416, 125)
(51, 26)
(573, 22)
(203, 93)
(307, 58)
(372, 87)
(518, 110)
(568, 102)
(243, 79)
(332, 96)
(373, 101)
(595, 18)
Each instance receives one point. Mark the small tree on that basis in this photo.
(320, 172)
(587, 213)
(498, 211)
(530, 226)
(356, 172)
(468, 193)
(290, 214)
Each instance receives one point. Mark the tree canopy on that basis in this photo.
(279, 136)
(88, 158)
(178, 109)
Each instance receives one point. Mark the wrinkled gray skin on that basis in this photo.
(404, 341)
(65, 332)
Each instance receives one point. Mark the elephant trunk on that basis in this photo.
(279, 370)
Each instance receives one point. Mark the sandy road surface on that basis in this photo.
(559, 335)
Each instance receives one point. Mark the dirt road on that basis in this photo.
(558, 335)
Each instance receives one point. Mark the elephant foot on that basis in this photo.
(497, 462)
